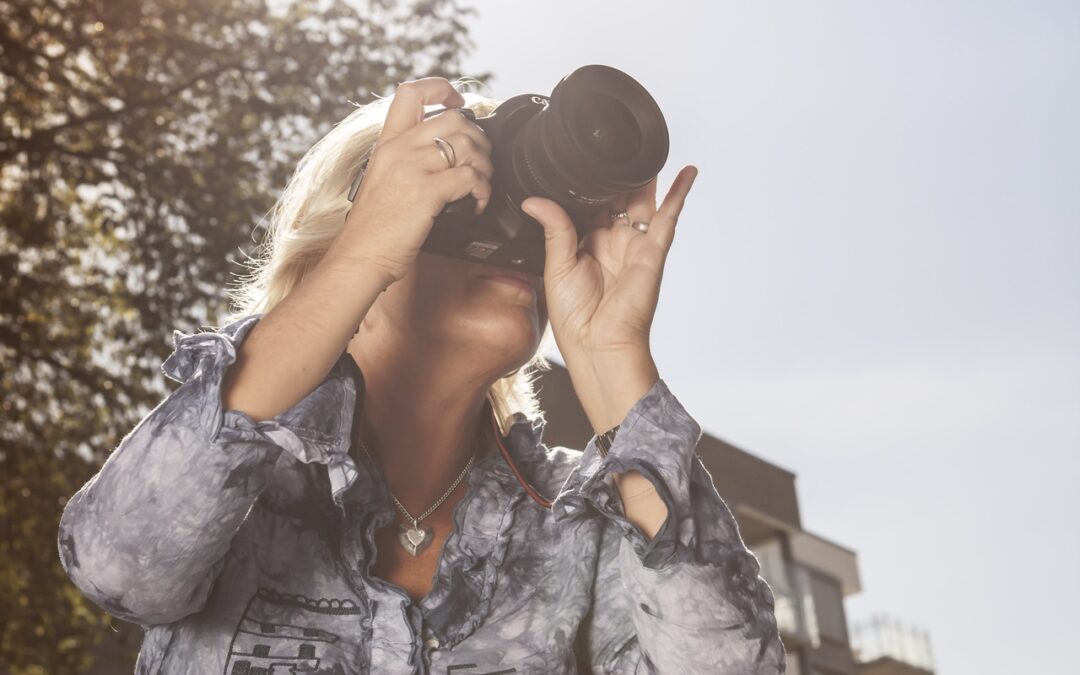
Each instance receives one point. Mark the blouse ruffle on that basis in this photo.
(316, 430)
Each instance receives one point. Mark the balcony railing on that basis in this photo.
(882, 636)
(790, 583)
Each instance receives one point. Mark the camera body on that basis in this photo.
(598, 135)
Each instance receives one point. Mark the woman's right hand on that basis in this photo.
(407, 182)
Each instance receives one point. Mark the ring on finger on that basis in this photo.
(639, 225)
(446, 150)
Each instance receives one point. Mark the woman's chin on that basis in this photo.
(503, 300)
(511, 323)
(499, 324)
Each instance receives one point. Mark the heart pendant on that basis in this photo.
(415, 540)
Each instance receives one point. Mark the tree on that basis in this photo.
(140, 142)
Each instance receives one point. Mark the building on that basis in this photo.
(809, 574)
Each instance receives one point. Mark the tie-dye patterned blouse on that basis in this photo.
(246, 548)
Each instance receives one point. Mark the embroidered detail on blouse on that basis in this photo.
(324, 605)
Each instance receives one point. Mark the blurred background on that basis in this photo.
(872, 304)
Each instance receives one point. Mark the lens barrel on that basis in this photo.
(601, 134)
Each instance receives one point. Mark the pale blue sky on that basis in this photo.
(876, 278)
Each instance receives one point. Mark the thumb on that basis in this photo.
(560, 235)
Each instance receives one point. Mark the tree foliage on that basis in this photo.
(140, 145)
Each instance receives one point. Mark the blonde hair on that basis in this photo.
(310, 213)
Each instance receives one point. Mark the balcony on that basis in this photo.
(883, 645)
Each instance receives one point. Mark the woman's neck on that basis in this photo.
(419, 427)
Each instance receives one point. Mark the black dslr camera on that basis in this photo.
(598, 135)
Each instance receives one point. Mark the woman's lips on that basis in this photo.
(510, 280)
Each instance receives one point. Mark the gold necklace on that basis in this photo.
(416, 539)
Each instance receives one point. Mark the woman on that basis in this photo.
(350, 480)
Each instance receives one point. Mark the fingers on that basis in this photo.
(467, 150)
(560, 235)
(462, 181)
(472, 169)
(446, 123)
(676, 196)
(407, 108)
(663, 225)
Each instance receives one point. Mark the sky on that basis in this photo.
(875, 281)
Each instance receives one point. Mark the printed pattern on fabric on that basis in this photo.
(246, 548)
(291, 634)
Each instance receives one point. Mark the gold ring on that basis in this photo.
(446, 150)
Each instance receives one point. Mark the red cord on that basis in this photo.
(546, 503)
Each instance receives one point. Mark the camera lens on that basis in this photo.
(609, 127)
(600, 135)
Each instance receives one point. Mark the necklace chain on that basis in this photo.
(431, 509)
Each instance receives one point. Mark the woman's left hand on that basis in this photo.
(602, 293)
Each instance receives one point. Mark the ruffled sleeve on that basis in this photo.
(657, 438)
(146, 537)
(691, 599)
(315, 430)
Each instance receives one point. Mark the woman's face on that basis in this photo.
(447, 302)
